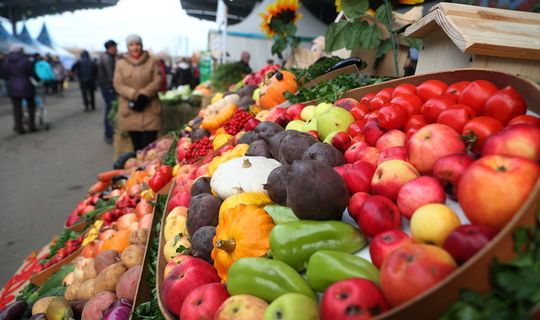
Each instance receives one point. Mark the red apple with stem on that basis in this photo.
(466, 240)
(384, 243)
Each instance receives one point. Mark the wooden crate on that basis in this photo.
(463, 36)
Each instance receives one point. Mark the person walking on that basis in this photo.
(106, 65)
(86, 71)
(59, 74)
(44, 72)
(137, 80)
(17, 70)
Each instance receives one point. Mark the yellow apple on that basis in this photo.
(431, 223)
(175, 226)
(169, 250)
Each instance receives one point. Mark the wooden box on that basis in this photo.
(475, 272)
(463, 36)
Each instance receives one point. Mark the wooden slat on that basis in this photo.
(485, 31)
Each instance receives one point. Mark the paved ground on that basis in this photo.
(43, 175)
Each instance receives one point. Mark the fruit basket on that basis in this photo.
(474, 273)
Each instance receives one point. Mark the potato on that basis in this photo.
(104, 259)
(87, 289)
(139, 236)
(132, 255)
(127, 284)
(84, 269)
(95, 307)
(72, 292)
(41, 305)
(107, 278)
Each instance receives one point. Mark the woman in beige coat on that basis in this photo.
(137, 79)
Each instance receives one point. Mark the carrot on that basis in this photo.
(107, 176)
(98, 187)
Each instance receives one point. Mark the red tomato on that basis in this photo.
(405, 88)
(359, 111)
(430, 88)
(412, 103)
(386, 92)
(504, 105)
(525, 118)
(456, 116)
(415, 121)
(376, 102)
(455, 89)
(476, 94)
(392, 116)
(356, 127)
(434, 106)
(365, 98)
(372, 115)
(478, 129)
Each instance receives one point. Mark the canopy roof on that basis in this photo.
(67, 58)
(17, 10)
(25, 37)
(7, 40)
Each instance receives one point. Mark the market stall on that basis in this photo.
(316, 193)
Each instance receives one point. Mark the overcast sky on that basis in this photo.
(161, 23)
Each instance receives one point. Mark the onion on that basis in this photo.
(119, 310)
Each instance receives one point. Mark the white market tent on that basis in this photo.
(7, 40)
(42, 49)
(247, 35)
(67, 58)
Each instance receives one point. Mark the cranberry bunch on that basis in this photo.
(237, 122)
(70, 247)
(199, 149)
(125, 205)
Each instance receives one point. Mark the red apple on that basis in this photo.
(390, 176)
(476, 94)
(412, 269)
(418, 192)
(314, 133)
(369, 154)
(356, 202)
(505, 104)
(360, 111)
(203, 302)
(411, 102)
(358, 138)
(377, 215)
(355, 298)
(350, 153)
(392, 138)
(384, 243)
(449, 169)
(251, 124)
(293, 112)
(466, 240)
(431, 143)
(357, 176)
(185, 277)
(356, 128)
(494, 187)
(394, 153)
(516, 140)
(346, 103)
(180, 199)
(372, 131)
(341, 140)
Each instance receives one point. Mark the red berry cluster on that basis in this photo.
(123, 206)
(237, 122)
(70, 247)
(199, 149)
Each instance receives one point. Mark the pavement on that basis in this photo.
(43, 175)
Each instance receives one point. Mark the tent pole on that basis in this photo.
(13, 21)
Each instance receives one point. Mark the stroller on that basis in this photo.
(41, 109)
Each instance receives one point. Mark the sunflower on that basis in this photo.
(284, 10)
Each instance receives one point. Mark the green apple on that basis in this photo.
(310, 125)
(307, 113)
(329, 137)
(334, 119)
(256, 94)
(322, 108)
(292, 306)
(297, 125)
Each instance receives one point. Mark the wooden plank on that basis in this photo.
(486, 31)
(524, 68)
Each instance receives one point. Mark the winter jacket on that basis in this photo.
(44, 71)
(106, 64)
(17, 70)
(133, 77)
(85, 69)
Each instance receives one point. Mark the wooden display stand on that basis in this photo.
(463, 36)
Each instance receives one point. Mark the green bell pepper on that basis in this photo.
(280, 214)
(265, 278)
(294, 242)
(327, 267)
